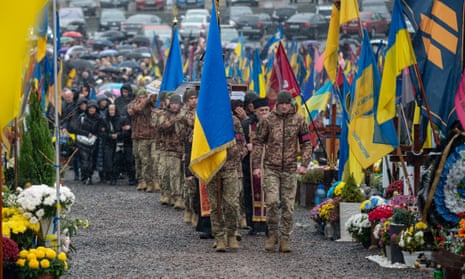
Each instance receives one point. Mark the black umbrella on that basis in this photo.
(89, 56)
(109, 69)
(129, 64)
(101, 43)
(114, 35)
(82, 64)
(141, 41)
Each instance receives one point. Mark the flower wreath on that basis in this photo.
(449, 197)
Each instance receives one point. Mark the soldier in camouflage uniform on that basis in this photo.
(172, 130)
(278, 136)
(190, 182)
(223, 194)
(140, 111)
(156, 112)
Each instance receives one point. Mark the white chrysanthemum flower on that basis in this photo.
(40, 213)
(27, 215)
(34, 220)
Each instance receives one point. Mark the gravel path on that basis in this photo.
(131, 235)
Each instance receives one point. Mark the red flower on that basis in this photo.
(10, 250)
(382, 212)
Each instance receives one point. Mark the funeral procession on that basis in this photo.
(232, 139)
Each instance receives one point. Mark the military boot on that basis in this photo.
(164, 200)
(156, 186)
(220, 246)
(232, 243)
(141, 186)
(149, 188)
(271, 242)
(195, 219)
(284, 245)
(187, 216)
(179, 204)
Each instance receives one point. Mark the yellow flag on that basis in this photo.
(16, 20)
(349, 11)
(332, 45)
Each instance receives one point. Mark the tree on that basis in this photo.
(36, 159)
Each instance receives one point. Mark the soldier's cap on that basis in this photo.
(260, 102)
(284, 97)
(141, 92)
(250, 96)
(189, 93)
(163, 95)
(175, 99)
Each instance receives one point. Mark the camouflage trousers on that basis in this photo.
(143, 160)
(190, 190)
(224, 203)
(156, 164)
(280, 189)
(171, 177)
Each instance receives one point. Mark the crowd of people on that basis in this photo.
(147, 138)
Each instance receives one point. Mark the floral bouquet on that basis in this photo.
(329, 210)
(18, 227)
(412, 238)
(359, 227)
(39, 202)
(10, 250)
(382, 232)
(40, 261)
(380, 213)
(394, 189)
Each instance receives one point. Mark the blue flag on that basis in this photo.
(278, 36)
(438, 46)
(213, 125)
(173, 75)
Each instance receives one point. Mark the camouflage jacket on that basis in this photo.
(140, 110)
(172, 132)
(156, 113)
(281, 135)
(236, 152)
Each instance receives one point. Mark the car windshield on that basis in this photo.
(113, 15)
(194, 19)
(241, 11)
(138, 19)
(365, 16)
(285, 11)
(228, 34)
(70, 13)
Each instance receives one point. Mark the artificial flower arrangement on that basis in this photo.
(359, 227)
(41, 261)
(449, 239)
(382, 232)
(370, 204)
(412, 238)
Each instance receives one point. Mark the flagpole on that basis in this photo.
(57, 126)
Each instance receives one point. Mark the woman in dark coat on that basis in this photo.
(88, 124)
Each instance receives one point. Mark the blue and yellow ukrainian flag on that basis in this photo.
(42, 35)
(258, 79)
(213, 126)
(362, 116)
(319, 100)
(399, 55)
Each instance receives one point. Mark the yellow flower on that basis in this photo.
(40, 254)
(65, 265)
(21, 262)
(50, 253)
(364, 204)
(62, 256)
(386, 224)
(44, 263)
(34, 264)
(338, 189)
(23, 254)
(410, 230)
(421, 226)
(31, 256)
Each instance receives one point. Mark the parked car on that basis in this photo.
(228, 34)
(150, 4)
(72, 19)
(186, 4)
(373, 22)
(234, 2)
(378, 6)
(105, 4)
(253, 26)
(194, 25)
(135, 23)
(324, 10)
(111, 19)
(194, 12)
(231, 14)
(163, 31)
(281, 13)
(268, 23)
(89, 7)
(305, 25)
